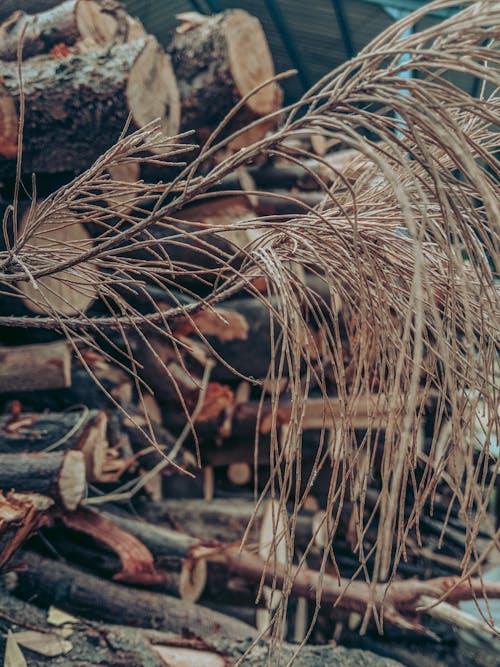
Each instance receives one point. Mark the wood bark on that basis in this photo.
(60, 475)
(35, 367)
(99, 22)
(126, 646)
(221, 519)
(218, 60)
(86, 595)
(136, 561)
(85, 432)
(77, 107)
(134, 552)
(20, 515)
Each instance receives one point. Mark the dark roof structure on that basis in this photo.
(312, 37)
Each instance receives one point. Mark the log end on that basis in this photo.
(193, 579)
(97, 23)
(72, 481)
(59, 238)
(152, 89)
(250, 61)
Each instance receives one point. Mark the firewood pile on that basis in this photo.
(179, 452)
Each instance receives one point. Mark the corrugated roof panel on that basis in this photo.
(312, 26)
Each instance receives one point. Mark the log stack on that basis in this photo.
(86, 436)
(87, 65)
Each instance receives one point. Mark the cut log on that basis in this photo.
(96, 21)
(239, 473)
(136, 561)
(20, 515)
(65, 292)
(221, 520)
(60, 475)
(167, 544)
(133, 647)
(35, 367)
(76, 108)
(54, 582)
(80, 431)
(218, 60)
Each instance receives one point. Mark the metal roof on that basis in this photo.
(313, 37)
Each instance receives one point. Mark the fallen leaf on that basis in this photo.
(58, 617)
(13, 655)
(187, 657)
(44, 643)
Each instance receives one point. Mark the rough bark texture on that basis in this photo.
(217, 61)
(123, 646)
(131, 551)
(97, 21)
(83, 431)
(84, 594)
(35, 367)
(60, 475)
(77, 107)
(219, 519)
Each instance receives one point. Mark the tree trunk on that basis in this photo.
(60, 475)
(218, 60)
(77, 107)
(35, 367)
(96, 21)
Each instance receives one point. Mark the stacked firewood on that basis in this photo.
(140, 480)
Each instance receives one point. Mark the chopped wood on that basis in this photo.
(137, 563)
(61, 238)
(20, 515)
(217, 63)
(55, 582)
(84, 431)
(99, 22)
(60, 475)
(97, 91)
(35, 367)
(239, 473)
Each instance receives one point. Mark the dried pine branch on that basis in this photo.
(410, 247)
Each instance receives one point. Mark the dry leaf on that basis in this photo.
(13, 655)
(187, 657)
(58, 617)
(45, 643)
